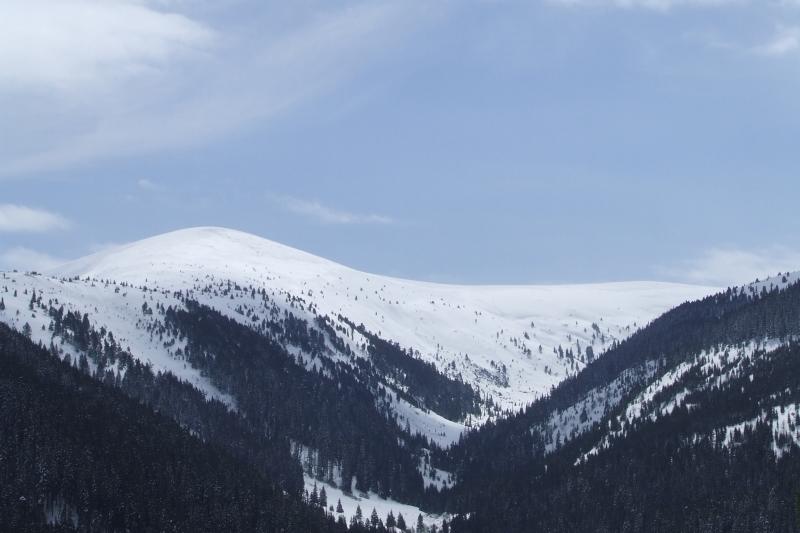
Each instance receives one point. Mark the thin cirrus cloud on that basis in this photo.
(327, 215)
(147, 185)
(23, 219)
(732, 266)
(786, 40)
(160, 80)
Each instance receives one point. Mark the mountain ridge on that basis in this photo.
(496, 334)
(379, 390)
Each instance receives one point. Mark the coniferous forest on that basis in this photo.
(678, 471)
(78, 455)
(100, 442)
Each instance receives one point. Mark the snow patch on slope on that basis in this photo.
(783, 422)
(351, 501)
(715, 367)
(113, 308)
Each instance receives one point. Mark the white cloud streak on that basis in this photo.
(72, 45)
(732, 266)
(327, 215)
(22, 219)
(193, 85)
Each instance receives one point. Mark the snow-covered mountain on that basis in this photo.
(513, 343)
(414, 353)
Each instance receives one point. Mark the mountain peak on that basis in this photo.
(207, 249)
(503, 338)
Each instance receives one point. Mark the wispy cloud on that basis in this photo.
(328, 215)
(22, 258)
(22, 219)
(78, 45)
(731, 266)
(147, 185)
(169, 81)
(785, 41)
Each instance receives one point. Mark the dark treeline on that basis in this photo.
(681, 472)
(669, 475)
(496, 450)
(417, 381)
(78, 455)
(208, 418)
(322, 405)
(428, 388)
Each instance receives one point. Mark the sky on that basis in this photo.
(550, 141)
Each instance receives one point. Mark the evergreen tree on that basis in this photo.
(323, 498)
(2, 305)
(401, 522)
(390, 521)
(339, 508)
(374, 520)
(420, 524)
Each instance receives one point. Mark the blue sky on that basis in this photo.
(474, 142)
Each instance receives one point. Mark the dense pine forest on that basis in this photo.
(678, 471)
(325, 407)
(673, 474)
(78, 455)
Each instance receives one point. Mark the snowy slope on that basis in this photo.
(110, 307)
(489, 335)
(660, 391)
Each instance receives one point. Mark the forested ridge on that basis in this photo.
(727, 318)
(326, 407)
(676, 471)
(78, 455)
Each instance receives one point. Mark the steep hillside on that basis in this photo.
(688, 425)
(77, 455)
(271, 353)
